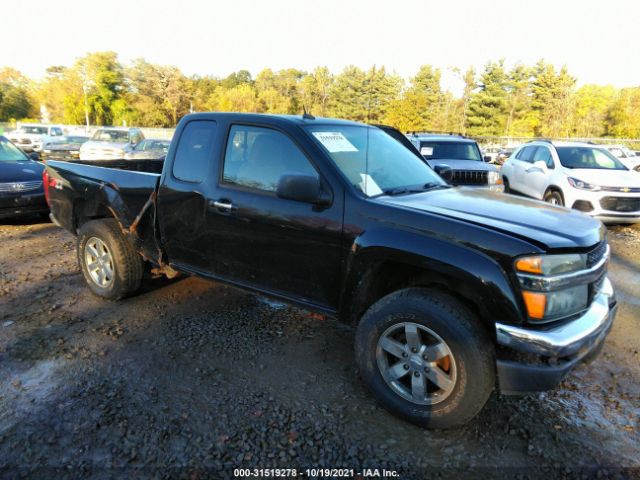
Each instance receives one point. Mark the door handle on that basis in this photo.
(222, 204)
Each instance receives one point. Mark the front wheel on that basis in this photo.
(110, 265)
(426, 357)
(554, 198)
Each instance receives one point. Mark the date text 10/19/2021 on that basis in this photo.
(314, 473)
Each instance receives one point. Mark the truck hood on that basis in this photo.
(27, 171)
(605, 178)
(537, 222)
(463, 164)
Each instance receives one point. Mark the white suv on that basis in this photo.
(583, 176)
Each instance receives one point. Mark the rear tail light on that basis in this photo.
(46, 183)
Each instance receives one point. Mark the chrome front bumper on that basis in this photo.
(568, 339)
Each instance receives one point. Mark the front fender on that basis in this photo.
(466, 272)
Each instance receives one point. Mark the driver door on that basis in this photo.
(257, 239)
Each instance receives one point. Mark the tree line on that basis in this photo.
(523, 100)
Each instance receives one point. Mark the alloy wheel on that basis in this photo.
(416, 363)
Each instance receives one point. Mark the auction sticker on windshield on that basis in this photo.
(428, 151)
(335, 142)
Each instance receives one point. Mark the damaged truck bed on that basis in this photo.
(98, 192)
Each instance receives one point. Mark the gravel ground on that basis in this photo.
(192, 379)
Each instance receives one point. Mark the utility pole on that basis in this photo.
(84, 92)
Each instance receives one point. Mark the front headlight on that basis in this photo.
(549, 265)
(549, 305)
(579, 184)
(494, 178)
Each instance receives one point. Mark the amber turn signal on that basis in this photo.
(535, 303)
(529, 265)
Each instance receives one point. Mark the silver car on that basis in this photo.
(110, 143)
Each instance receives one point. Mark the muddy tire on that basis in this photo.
(111, 267)
(426, 357)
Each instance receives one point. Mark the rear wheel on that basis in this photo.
(110, 265)
(505, 181)
(426, 357)
(554, 198)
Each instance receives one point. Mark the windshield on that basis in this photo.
(589, 158)
(10, 153)
(371, 160)
(119, 136)
(32, 130)
(433, 150)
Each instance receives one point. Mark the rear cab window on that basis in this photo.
(194, 155)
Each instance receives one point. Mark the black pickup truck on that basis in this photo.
(455, 292)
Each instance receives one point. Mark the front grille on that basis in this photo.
(620, 204)
(470, 177)
(595, 255)
(15, 187)
(595, 287)
(61, 155)
(622, 189)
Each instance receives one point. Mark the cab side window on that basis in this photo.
(543, 154)
(257, 157)
(195, 151)
(526, 154)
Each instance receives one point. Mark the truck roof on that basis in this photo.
(443, 137)
(294, 119)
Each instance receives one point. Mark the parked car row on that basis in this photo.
(21, 187)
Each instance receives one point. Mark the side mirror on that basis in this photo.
(487, 158)
(34, 156)
(302, 188)
(540, 165)
(445, 172)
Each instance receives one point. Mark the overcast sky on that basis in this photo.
(599, 41)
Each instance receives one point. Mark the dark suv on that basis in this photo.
(462, 155)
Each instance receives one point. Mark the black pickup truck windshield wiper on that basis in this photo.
(433, 186)
(397, 191)
(414, 189)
